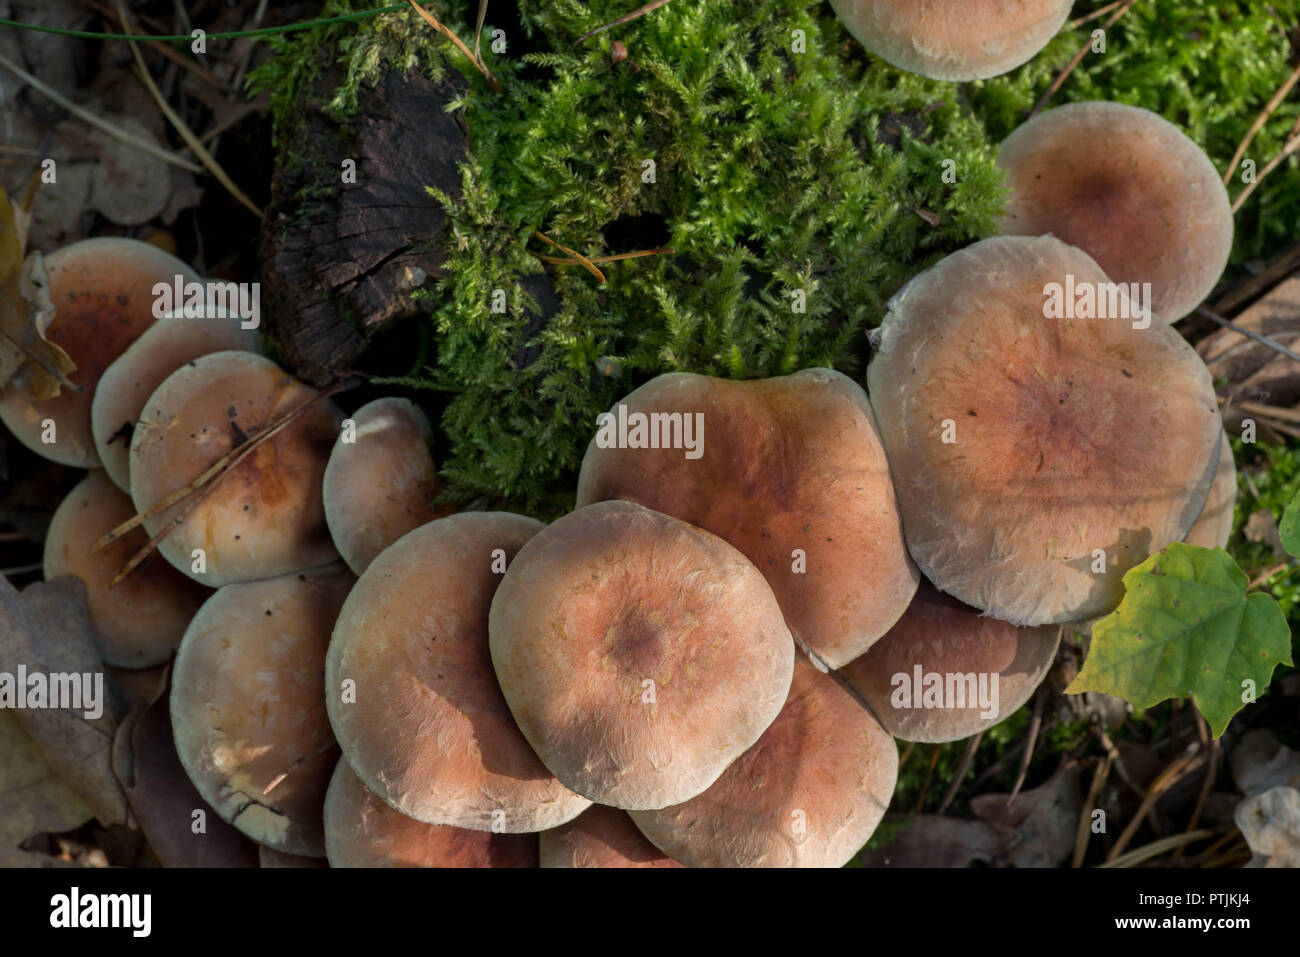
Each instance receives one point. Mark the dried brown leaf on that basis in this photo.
(1038, 828)
(1270, 823)
(33, 800)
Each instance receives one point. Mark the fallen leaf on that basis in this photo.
(128, 186)
(164, 800)
(1261, 762)
(1187, 628)
(1270, 822)
(1253, 371)
(933, 840)
(47, 629)
(1262, 528)
(33, 800)
(1038, 828)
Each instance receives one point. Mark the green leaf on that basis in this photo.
(1187, 627)
(1290, 526)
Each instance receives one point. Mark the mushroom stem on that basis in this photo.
(1076, 60)
(211, 479)
(640, 11)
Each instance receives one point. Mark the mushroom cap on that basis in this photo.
(133, 376)
(1048, 464)
(1128, 188)
(427, 729)
(140, 622)
(1214, 526)
(941, 636)
(102, 290)
(248, 705)
(379, 487)
(362, 831)
(600, 837)
(790, 466)
(809, 793)
(639, 655)
(265, 517)
(953, 39)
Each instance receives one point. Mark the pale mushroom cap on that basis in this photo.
(1128, 188)
(974, 671)
(248, 705)
(134, 376)
(102, 290)
(1214, 526)
(790, 471)
(378, 487)
(1070, 437)
(953, 39)
(639, 655)
(809, 793)
(140, 622)
(266, 516)
(600, 837)
(428, 730)
(362, 831)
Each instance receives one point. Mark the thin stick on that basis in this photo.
(1076, 60)
(122, 136)
(1281, 266)
(1273, 411)
(962, 768)
(641, 11)
(1260, 120)
(586, 263)
(1085, 814)
(562, 261)
(186, 133)
(1267, 573)
(478, 30)
(434, 22)
(212, 480)
(1211, 771)
(1291, 146)
(907, 753)
(22, 569)
(1075, 24)
(1248, 333)
(925, 785)
(1035, 723)
(275, 781)
(1156, 848)
(1163, 782)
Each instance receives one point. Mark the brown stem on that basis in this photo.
(583, 260)
(971, 746)
(437, 24)
(1260, 120)
(1076, 60)
(640, 11)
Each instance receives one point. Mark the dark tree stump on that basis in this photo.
(340, 260)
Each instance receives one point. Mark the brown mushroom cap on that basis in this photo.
(953, 39)
(379, 487)
(809, 793)
(133, 376)
(966, 651)
(600, 837)
(1214, 526)
(791, 471)
(1070, 436)
(102, 290)
(427, 728)
(265, 517)
(639, 655)
(1128, 188)
(363, 831)
(248, 705)
(140, 622)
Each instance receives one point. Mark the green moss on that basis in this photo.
(777, 173)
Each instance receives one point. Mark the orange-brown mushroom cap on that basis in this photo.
(134, 376)
(265, 516)
(1128, 188)
(412, 695)
(139, 622)
(1036, 459)
(945, 672)
(600, 837)
(789, 470)
(639, 655)
(248, 705)
(380, 485)
(1213, 527)
(102, 290)
(362, 831)
(809, 793)
(953, 39)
